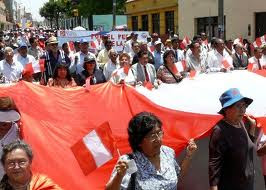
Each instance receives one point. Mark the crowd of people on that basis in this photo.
(145, 63)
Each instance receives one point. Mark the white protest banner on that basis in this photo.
(117, 37)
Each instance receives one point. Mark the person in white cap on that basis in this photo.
(9, 130)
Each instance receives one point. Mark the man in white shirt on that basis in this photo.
(128, 45)
(219, 60)
(77, 65)
(23, 57)
(195, 61)
(256, 60)
(10, 69)
(111, 65)
(103, 57)
(179, 54)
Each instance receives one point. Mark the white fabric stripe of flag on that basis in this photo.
(36, 67)
(99, 152)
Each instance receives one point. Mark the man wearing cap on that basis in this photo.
(231, 145)
(154, 38)
(128, 46)
(22, 56)
(158, 55)
(53, 56)
(9, 128)
(103, 57)
(10, 69)
(77, 67)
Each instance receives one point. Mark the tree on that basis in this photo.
(52, 11)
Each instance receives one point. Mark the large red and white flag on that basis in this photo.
(187, 110)
(35, 67)
(95, 149)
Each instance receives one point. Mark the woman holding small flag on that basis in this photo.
(169, 72)
(151, 165)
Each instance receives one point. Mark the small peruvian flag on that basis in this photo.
(35, 67)
(227, 62)
(95, 149)
(186, 41)
(251, 67)
(71, 46)
(260, 41)
(181, 66)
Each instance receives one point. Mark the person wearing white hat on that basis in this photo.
(158, 55)
(9, 130)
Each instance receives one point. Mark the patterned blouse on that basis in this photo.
(148, 177)
(165, 76)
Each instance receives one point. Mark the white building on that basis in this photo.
(243, 18)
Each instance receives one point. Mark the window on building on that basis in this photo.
(209, 25)
(169, 22)
(156, 23)
(135, 23)
(145, 22)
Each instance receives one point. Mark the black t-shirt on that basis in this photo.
(231, 158)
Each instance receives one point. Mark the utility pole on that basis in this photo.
(221, 18)
(114, 14)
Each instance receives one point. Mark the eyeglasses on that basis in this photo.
(153, 136)
(20, 163)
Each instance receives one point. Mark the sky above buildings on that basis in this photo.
(33, 7)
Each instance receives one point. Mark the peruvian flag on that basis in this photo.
(205, 42)
(239, 41)
(251, 67)
(152, 48)
(227, 62)
(71, 46)
(181, 66)
(95, 149)
(35, 67)
(260, 41)
(186, 41)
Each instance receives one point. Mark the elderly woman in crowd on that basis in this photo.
(91, 72)
(120, 75)
(156, 165)
(17, 159)
(168, 73)
(231, 145)
(62, 77)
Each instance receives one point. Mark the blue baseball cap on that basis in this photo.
(232, 96)
(84, 40)
(22, 44)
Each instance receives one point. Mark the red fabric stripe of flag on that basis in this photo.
(148, 85)
(95, 149)
(186, 41)
(28, 69)
(93, 44)
(250, 67)
(192, 73)
(225, 64)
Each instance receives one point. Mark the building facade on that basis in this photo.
(242, 18)
(160, 16)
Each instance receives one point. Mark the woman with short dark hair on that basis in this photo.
(156, 164)
(168, 73)
(17, 159)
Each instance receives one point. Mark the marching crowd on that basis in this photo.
(148, 63)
